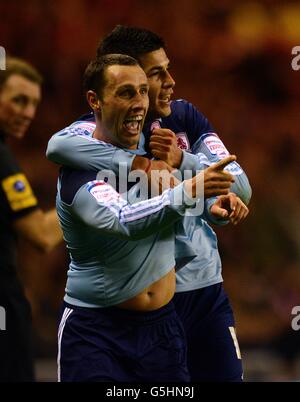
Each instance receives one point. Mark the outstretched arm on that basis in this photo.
(207, 150)
(98, 205)
(213, 148)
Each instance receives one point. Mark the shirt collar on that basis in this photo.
(141, 147)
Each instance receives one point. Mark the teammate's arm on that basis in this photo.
(215, 180)
(241, 186)
(201, 158)
(205, 142)
(74, 148)
(98, 205)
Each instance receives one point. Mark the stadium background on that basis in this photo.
(233, 60)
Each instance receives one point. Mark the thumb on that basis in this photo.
(218, 212)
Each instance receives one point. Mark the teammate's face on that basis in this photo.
(124, 105)
(19, 99)
(161, 83)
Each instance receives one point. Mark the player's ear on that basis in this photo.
(93, 100)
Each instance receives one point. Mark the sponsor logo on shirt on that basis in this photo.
(87, 127)
(103, 192)
(218, 149)
(215, 145)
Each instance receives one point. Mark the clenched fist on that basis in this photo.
(163, 145)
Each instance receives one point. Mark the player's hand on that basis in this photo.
(239, 213)
(161, 177)
(159, 174)
(147, 165)
(230, 207)
(216, 180)
(163, 145)
(212, 181)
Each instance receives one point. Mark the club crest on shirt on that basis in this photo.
(183, 141)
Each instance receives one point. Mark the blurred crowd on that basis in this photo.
(233, 60)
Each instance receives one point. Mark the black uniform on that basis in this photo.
(16, 201)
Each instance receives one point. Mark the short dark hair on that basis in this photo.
(94, 77)
(19, 67)
(129, 40)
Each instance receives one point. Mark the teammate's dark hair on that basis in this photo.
(130, 40)
(94, 76)
(22, 68)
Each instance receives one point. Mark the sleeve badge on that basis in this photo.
(18, 192)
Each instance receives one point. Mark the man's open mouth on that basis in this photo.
(133, 123)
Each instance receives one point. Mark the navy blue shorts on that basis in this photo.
(213, 351)
(114, 344)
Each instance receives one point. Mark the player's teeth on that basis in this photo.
(132, 125)
(137, 118)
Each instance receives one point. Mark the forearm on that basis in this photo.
(116, 217)
(40, 229)
(52, 229)
(214, 150)
(83, 152)
(241, 187)
(193, 163)
(159, 174)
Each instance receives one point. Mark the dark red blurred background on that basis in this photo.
(233, 60)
